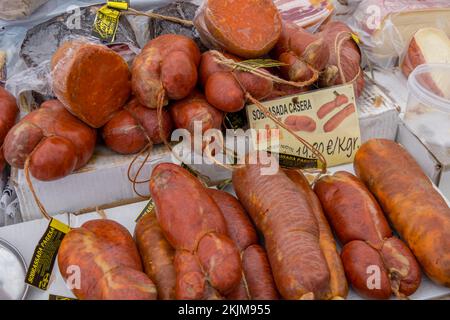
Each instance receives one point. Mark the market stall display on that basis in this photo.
(11, 10)
(286, 227)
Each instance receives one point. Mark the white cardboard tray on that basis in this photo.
(26, 235)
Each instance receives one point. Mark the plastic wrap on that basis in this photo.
(30, 44)
(99, 76)
(18, 9)
(3, 73)
(308, 14)
(180, 9)
(386, 26)
(226, 25)
(42, 40)
(428, 109)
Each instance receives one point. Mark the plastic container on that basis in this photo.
(428, 108)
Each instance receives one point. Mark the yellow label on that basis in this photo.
(325, 118)
(120, 5)
(59, 298)
(44, 256)
(106, 23)
(356, 38)
(148, 209)
(58, 225)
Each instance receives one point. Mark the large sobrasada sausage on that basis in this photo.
(338, 281)
(415, 208)
(367, 239)
(207, 261)
(257, 281)
(284, 216)
(157, 255)
(109, 264)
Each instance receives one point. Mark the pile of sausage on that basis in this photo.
(99, 91)
(275, 240)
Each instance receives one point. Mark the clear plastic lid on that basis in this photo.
(430, 84)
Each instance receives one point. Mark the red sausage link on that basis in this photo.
(257, 282)
(338, 283)
(290, 230)
(416, 209)
(193, 224)
(157, 256)
(356, 216)
(365, 270)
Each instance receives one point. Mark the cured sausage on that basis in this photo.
(157, 255)
(185, 113)
(344, 64)
(91, 80)
(195, 227)
(367, 238)
(134, 127)
(225, 88)
(290, 231)
(55, 142)
(304, 54)
(338, 287)
(166, 66)
(257, 281)
(8, 115)
(415, 208)
(246, 28)
(108, 260)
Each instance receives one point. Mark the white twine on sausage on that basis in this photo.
(33, 192)
(153, 15)
(221, 59)
(338, 46)
(147, 151)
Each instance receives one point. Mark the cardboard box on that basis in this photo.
(379, 113)
(435, 165)
(102, 183)
(26, 235)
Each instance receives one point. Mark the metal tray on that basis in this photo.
(13, 271)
